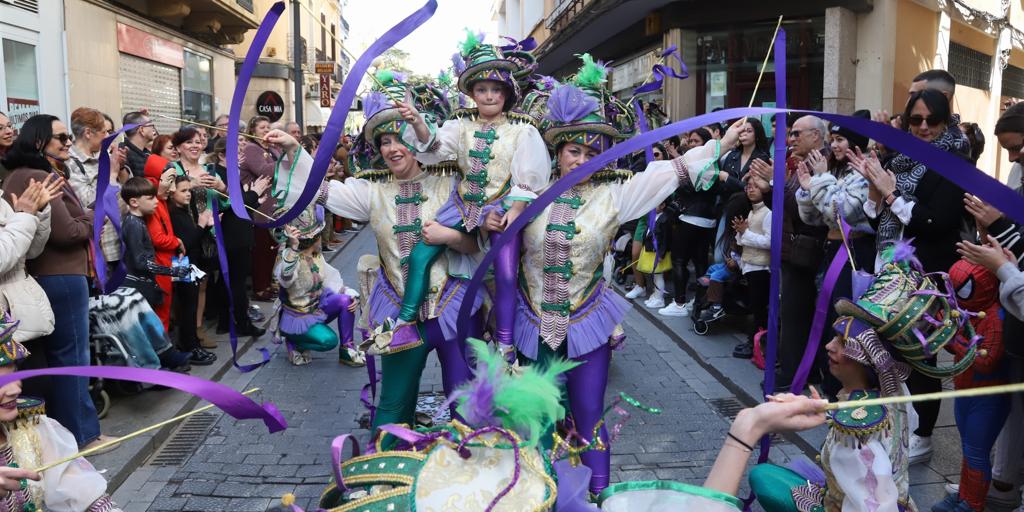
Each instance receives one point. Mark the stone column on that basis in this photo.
(941, 59)
(840, 83)
(876, 56)
(992, 160)
(681, 95)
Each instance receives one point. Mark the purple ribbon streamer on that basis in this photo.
(661, 71)
(335, 124)
(821, 307)
(101, 213)
(778, 200)
(222, 257)
(337, 447)
(228, 400)
(525, 45)
(641, 121)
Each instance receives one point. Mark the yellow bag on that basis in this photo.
(646, 262)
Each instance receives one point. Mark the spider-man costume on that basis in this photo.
(979, 419)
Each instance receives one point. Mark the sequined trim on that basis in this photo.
(477, 176)
(682, 173)
(103, 504)
(408, 226)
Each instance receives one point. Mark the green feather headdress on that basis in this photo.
(527, 403)
(592, 74)
(471, 43)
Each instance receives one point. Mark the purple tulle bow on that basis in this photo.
(374, 102)
(568, 104)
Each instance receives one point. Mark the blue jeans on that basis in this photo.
(68, 400)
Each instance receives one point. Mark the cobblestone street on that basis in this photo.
(240, 467)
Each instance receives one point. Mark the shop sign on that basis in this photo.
(270, 104)
(325, 90)
(136, 42)
(19, 110)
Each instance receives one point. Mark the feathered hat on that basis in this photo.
(309, 223)
(910, 311)
(379, 108)
(11, 351)
(477, 61)
(584, 112)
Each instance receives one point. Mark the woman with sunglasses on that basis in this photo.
(906, 200)
(41, 149)
(6, 139)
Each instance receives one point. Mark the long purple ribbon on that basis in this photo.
(228, 400)
(821, 308)
(105, 211)
(661, 71)
(335, 124)
(222, 257)
(778, 199)
(337, 448)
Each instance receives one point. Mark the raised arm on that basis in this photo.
(443, 143)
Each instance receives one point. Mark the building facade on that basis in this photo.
(841, 55)
(33, 76)
(169, 57)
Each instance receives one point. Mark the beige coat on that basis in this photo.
(23, 236)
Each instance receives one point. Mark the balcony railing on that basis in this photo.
(563, 14)
(245, 4)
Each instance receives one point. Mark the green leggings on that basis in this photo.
(421, 258)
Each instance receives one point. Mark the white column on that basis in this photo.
(681, 95)
(840, 80)
(876, 55)
(992, 159)
(941, 59)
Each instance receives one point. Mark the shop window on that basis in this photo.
(970, 67)
(197, 85)
(1013, 82)
(20, 81)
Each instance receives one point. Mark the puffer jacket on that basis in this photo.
(23, 236)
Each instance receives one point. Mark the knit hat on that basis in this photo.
(583, 111)
(11, 351)
(855, 138)
(487, 62)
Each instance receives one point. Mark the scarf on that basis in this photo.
(908, 174)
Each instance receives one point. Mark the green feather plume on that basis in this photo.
(592, 74)
(528, 403)
(444, 79)
(385, 76)
(471, 43)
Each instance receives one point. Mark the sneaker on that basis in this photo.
(920, 449)
(634, 292)
(743, 351)
(200, 357)
(712, 313)
(655, 301)
(689, 307)
(255, 314)
(948, 504)
(174, 360)
(674, 309)
(996, 498)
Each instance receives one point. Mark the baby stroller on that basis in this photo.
(105, 350)
(733, 303)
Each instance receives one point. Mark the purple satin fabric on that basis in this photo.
(586, 385)
(228, 400)
(778, 199)
(337, 448)
(660, 71)
(335, 124)
(506, 274)
(106, 207)
(590, 326)
(641, 121)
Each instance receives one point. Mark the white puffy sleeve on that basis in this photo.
(531, 165)
(865, 476)
(74, 486)
(349, 198)
(443, 144)
(646, 190)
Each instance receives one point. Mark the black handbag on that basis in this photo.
(803, 251)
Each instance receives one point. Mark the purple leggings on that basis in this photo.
(336, 305)
(586, 385)
(506, 268)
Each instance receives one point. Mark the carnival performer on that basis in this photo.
(30, 439)
(564, 309)
(504, 163)
(865, 457)
(312, 294)
(399, 204)
(978, 418)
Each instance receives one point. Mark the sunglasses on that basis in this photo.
(932, 121)
(64, 138)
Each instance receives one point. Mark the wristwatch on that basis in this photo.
(895, 194)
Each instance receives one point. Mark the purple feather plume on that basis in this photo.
(458, 63)
(547, 83)
(374, 102)
(904, 250)
(807, 470)
(568, 104)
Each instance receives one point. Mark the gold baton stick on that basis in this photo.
(193, 123)
(886, 400)
(90, 451)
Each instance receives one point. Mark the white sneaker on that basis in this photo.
(689, 307)
(920, 449)
(657, 301)
(634, 292)
(674, 309)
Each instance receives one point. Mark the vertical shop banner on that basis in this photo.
(325, 91)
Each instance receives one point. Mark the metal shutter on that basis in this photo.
(155, 87)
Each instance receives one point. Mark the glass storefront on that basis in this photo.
(729, 59)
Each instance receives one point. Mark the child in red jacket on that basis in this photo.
(165, 244)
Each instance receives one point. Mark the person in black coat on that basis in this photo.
(186, 293)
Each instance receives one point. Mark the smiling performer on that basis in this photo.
(564, 308)
(504, 163)
(400, 204)
(897, 324)
(30, 439)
